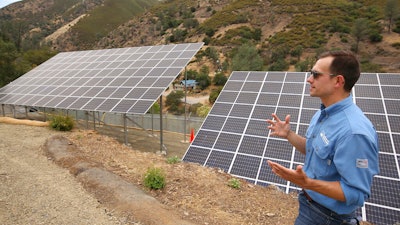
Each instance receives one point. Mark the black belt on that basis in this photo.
(321, 207)
(307, 196)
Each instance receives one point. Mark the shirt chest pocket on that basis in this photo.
(322, 159)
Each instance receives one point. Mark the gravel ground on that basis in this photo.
(33, 190)
(83, 177)
(40, 187)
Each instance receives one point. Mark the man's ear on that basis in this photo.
(340, 80)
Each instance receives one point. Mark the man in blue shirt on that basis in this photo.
(341, 146)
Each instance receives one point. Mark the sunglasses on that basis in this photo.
(316, 74)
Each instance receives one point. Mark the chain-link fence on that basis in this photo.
(140, 131)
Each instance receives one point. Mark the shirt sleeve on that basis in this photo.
(356, 159)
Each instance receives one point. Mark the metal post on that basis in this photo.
(14, 113)
(87, 119)
(44, 113)
(26, 112)
(152, 120)
(184, 122)
(94, 120)
(2, 109)
(98, 116)
(161, 126)
(125, 130)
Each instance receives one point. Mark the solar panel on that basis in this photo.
(122, 80)
(235, 137)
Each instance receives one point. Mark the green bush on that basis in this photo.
(154, 178)
(61, 123)
(193, 108)
(220, 79)
(203, 111)
(173, 160)
(174, 99)
(214, 95)
(234, 183)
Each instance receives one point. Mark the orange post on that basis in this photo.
(191, 135)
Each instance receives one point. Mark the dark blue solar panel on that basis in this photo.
(220, 160)
(227, 142)
(263, 93)
(123, 74)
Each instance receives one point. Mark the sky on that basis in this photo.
(4, 3)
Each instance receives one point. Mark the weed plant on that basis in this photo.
(234, 183)
(173, 160)
(154, 178)
(61, 123)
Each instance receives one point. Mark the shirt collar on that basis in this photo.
(337, 107)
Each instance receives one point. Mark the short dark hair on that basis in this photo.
(344, 63)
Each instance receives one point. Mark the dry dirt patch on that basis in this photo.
(193, 194)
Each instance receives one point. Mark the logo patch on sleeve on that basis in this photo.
(362, 163)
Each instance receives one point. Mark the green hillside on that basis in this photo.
(106, 18)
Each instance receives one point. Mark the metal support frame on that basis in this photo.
(94, 120)
(161, 129)
(184, 121)
(44, 114)
(125, 129)
(87, 119)
(152, 120)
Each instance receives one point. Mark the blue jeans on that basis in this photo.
(310, 212)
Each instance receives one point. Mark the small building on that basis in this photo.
(190, 84)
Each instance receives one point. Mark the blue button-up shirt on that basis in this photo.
(342, 145)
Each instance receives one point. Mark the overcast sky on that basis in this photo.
(4, 3)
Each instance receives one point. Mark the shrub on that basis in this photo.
(191, 74)
(396, 45)
(174, 99)
(154, 178)
(173, 160)
(61, 123)
(220, 79)
(234, 183)
(155, 108)
(375, 37)
(203, 111)
(193, 108)
(214, 95)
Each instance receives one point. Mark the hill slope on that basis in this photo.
(288, 34)
(277, 28)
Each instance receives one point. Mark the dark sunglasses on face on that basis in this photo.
(316, 74)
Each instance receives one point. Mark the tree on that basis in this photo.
(247, 59)
(297, 51)
(360, 31)
(174, 100)
(391, 12)
(203, 79)
(191, 74)
(8, 54)
(220, 79)
(305, 65)
(214, 95)
(212, 54)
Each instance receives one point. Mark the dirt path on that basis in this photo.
(83, 177)
(33, 190)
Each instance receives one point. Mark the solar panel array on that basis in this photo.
(122, 80)
(235, 137)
